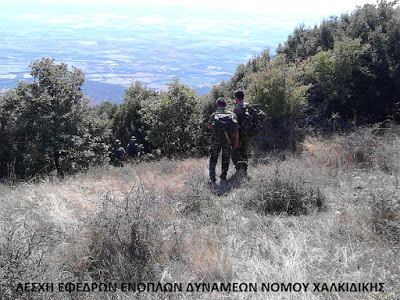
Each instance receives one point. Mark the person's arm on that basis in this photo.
(236, 141)
(209, 122)
(125, 155)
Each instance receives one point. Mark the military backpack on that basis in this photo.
(224, 125)
(253, 122)
(119, 153)
(133, 149)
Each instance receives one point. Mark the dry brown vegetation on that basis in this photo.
(329, 214)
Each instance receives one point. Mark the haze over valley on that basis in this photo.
(152, 44)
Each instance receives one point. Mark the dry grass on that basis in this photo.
(159, 222)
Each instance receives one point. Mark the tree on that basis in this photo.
(356, 63)
(279, 89)
(127, 119)
(281, 94)
(102, 119)
(48, 126)
(172, 120)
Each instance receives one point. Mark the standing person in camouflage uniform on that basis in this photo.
(133, 148)
(224, 125)
(119, 154)
(240, 155)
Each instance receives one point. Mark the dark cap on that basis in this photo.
(221, 102)
(239, 94)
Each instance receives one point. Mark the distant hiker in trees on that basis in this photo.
(224, 126)
(119, 154)
(251, 121)
(133, 148)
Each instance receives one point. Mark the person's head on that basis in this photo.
(117, 142)
(239, 96)
(221, 103)
(133, 138)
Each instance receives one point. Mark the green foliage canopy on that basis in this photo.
(355, 63)
(172, 120)
(127, 120)
(279, 89)
(45, 125)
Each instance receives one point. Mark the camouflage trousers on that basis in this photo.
(215, 149)
(241, 154)
(118, 163)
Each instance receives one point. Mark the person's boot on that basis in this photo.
(238, 173)
(212, 179)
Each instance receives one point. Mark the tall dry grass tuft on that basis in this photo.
(366, 148)
(282, 193)
(27, 241)
(385, 215)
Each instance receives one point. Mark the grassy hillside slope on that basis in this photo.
(328, 214)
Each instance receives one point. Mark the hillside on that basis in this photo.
(340, 74)
(318, 219)
(327, 215)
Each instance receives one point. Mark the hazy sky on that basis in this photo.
(200, 15)
(267, 21)
(268, 7)
(282, 8)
